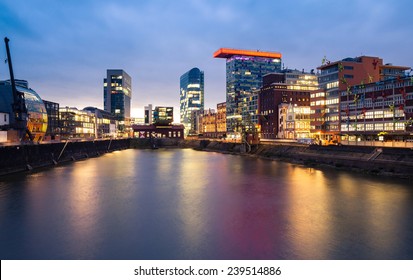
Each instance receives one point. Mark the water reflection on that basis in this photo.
(184, 204)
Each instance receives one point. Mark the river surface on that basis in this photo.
(186, 204)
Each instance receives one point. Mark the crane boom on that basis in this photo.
(19, 106)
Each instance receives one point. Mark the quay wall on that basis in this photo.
(19, 158)
(382, 161)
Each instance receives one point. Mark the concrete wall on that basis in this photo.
(386, 161)
(26, 157)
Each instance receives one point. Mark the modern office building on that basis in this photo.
(340, 76)
(53, 131)
(78, 124)
(191, 97)
(289, 87)
(377, 111)
(117, 93)
(105, 122)
(250, 111)
(163, 115)
(196, 119)
(244, 74)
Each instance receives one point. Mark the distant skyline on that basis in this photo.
(64, 48)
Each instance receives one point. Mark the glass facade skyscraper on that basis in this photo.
(244, 73)
(191, 97)
(117, 93)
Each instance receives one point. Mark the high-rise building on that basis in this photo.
(117, 93)
(191, 96)
(244, 73)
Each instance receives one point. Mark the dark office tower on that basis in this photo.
(163, 115)
(52, 110)
(245, 70)
(191, 96)
(117, 93)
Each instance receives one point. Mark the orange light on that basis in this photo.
(227, 53)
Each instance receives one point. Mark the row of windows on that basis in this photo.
(375, 115)
(370, 104)
(317, 94)
(389, 126)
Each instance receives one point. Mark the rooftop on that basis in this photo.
(228, 53)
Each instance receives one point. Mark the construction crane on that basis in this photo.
(18, 106)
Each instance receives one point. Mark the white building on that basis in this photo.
(293, 121)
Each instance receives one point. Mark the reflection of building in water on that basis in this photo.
(36, 111)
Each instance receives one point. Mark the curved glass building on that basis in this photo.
(191, 96)
(36, 111)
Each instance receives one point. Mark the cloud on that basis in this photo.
(64, 48)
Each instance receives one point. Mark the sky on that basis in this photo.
(63, 48)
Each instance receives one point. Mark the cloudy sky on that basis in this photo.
(63, 48)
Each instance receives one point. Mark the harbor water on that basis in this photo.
(186, 204)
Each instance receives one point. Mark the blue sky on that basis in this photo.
(63, 48)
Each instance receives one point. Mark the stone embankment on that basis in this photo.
(381, 161)
(20, 158)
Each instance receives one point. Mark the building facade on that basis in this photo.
(378, 111)
(191, 97)
(52, 109)
(153, 131)
(244, 74)
(209, 123)
(148, 114)
(339, 76)
(277, 89)
(222, 118)
(163, 115)
(250, 111)
(293, 121)
(196, 119)
(77, 124)
(117, 94)
(105, 122)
